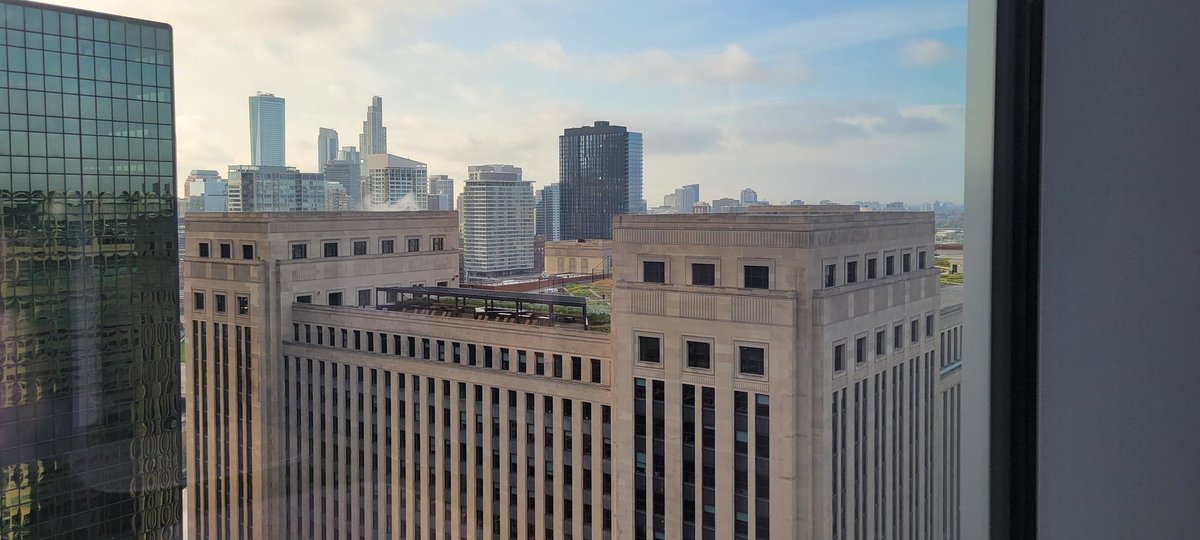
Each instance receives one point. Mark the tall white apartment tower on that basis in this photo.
(267, 130)
(775, 375)
(395, 182)
(498, 221)
(373, 139)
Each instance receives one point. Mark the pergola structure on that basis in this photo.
(452, 300)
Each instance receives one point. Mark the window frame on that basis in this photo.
(746, 265)
(650, 261)
(837, 350)
(387, 246)
(341, 297)
(356, 243)
(292, 250)
(408, 244)
(204, 249)
(240, 311)
(637, 349)
(686, 342)
(692, 263)
(738, 345)
(325, 248)
(201, 295)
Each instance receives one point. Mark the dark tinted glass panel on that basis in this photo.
(752, 360)
(654, 272)
(704, 274)
(648, 349)
(757, 277)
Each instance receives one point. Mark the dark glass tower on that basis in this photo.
(90, 439)
(600, 175)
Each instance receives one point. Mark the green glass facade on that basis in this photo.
(90, 438)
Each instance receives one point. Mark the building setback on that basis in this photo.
(600, 174)
(268, 130)
(90, 441)
(373, 139)
(497, 221)
(769, 374)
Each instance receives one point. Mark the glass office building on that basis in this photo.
(600, 176)
(90, 442)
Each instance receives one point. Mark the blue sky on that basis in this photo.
(805, 99)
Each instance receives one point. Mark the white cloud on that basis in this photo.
(546, 54)
(925, 52)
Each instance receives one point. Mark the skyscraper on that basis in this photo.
(90, 441)
(548, 201)
(267, 130)
(687, 196)
(600, 171)
(327, 147)
(396, 183)
(373, 139)
(347, 172)
(441, 192)
(749, 196)
(498, 222)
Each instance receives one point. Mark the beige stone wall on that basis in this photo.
(572, 257)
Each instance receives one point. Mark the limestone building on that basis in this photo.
(578, 257)
(784, 373)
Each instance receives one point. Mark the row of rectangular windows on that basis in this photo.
(462, 443)
(220, 303)
(359, 247)
(751, 360)
(54, 22)
(889, 268)
(860, 343)
(429, 349)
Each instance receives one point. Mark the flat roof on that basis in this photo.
(486, 294)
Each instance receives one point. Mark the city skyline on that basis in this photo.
(777, 97)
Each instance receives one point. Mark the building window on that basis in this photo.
(880, 346)
(596, 371)
(654, 272)
(752, 360)
(226, 251)
(851, 271)
(204, 249)
(219, 300)
(335, 298)
(299, 251)
(699, 354)
(649, 349)
(915, 330)
(360, 247)
(871, 270)
(387, 246)
(898, 336)
(331, 249)
(439, 243)
(364, 297)
(248, 252)
(830, 275)
(860, 350)
(839, 357)
(442, 284)
(198, 301)
(704, 274)
(929, 326)
(243, 306)
(920, 260)
(414, 245)
(907, 262)
(304, 299)
(756, 277)
(889, 265)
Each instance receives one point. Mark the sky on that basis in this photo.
(815, 99)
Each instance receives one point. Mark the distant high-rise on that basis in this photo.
(498, 221)
(336, 199)
(548, 201)
(196, 178)
(327, 147)
(749, 196)
(441, 192)
(90, 441)
(348, 173)
(600, 173)
(348, 153)
(686, 197)
(395, 183)
(373, 139)
(267, 130)
(274, 189)
(205, 191)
